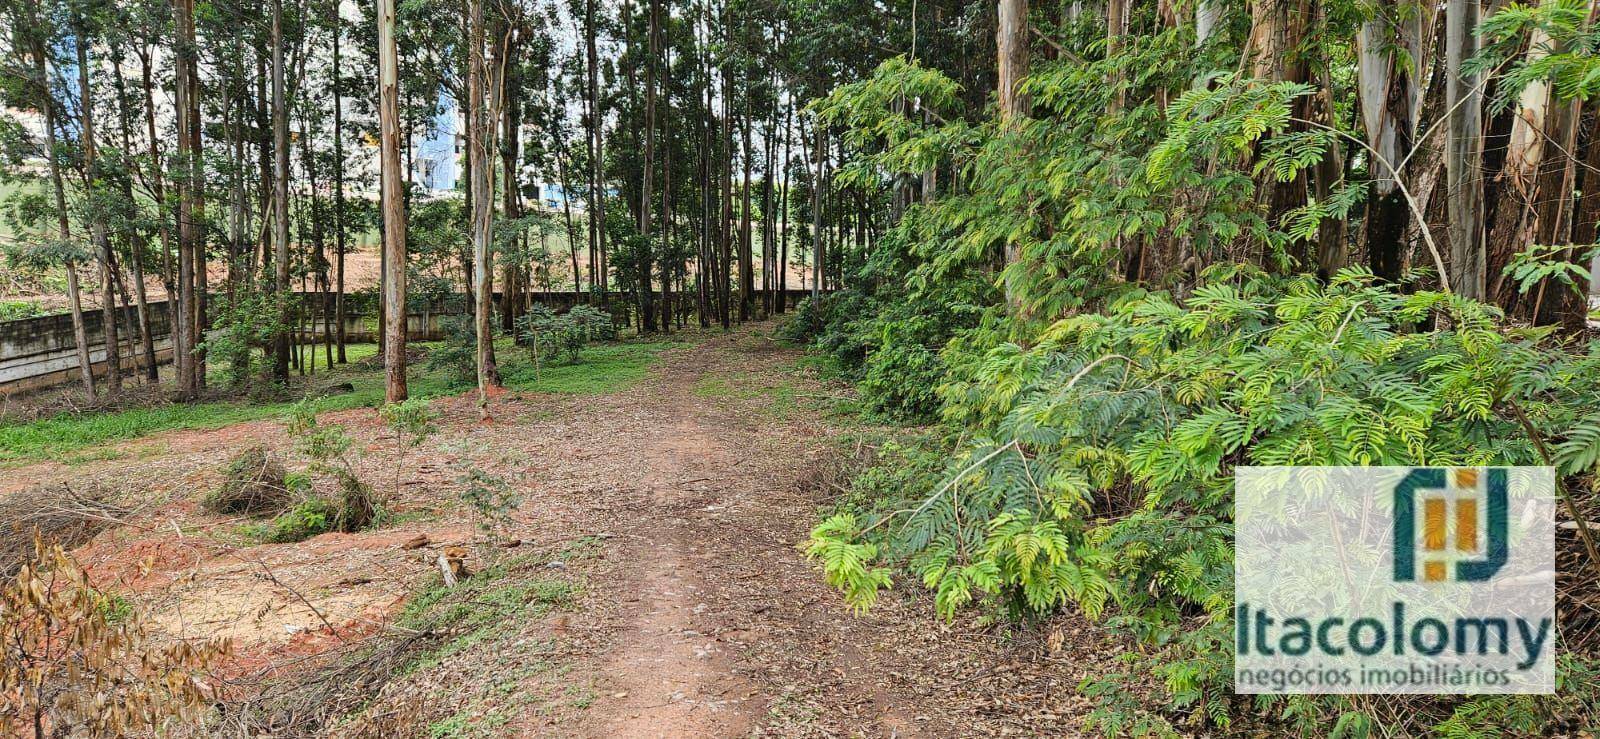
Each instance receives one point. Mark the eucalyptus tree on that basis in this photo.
(394, 234)
(482, 114)
(31, 81)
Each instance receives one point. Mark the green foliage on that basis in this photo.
(329, 450)
(596, 324)
(847, 563)
(887, 331)
(68, 436)
(1564, 264)
(113, 607)
(244, 323)
(14, 310)
(547, 333)
(311, 516)
(412, 421)
(1097, 474)
(491, 500)
(457, 355)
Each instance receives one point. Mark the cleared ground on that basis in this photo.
(647, 584)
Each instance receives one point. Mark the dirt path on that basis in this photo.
(672, 509)
(723, 628)
(666, 674)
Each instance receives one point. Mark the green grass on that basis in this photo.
(484, 605)
(604, 368)
(72, 438)
(777, 394)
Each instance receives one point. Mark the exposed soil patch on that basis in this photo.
(648, 582)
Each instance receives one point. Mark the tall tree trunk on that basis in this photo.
(136, 237)
(597, 195)
(566, 211)
(747, 281)
(1535, 183)
(669, 260)
(280, 200)
(190, 233)
(338, 192)
(1117, 12)
(725, 306)
(394, 223)
(509, 92)
(647, 314)
(783, 205)
(97, 226)
(1389, 91)
(1011, 41)
(80, 335)
(817, 185)
(480, 139)
(1464, 152)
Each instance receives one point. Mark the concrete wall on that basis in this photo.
(40, 352)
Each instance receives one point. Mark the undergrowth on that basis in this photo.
(606, 368)
(1091, 468)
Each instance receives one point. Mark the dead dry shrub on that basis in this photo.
(254, 483)
(72, 664)
(310, 705)
(827, 472)
(61, 515)
(357, 507)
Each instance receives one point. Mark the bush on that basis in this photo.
(329, 449)
(79, 662)
(596, 324)
(310, 517)
(1107, 448)
(16, 310)
(457, 356)
(889, 330)
(253, 482)
(547, 333)
(357, 507)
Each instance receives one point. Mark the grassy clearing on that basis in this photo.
(777, 396)
(604, 368)
(72, 438)
(779, 393)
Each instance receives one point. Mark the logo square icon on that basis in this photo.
(1392, 580)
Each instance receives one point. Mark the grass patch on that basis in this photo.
(471, 721)
(605, 368)
(714, 387)
(779, 398)
(483, 605)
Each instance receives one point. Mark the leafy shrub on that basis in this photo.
(547, 333)
(253, 482)
(15, 310)
(245, 321)
(596, 324)
(887, 333)
(312, 516)
(457, 356)
(1098, 474)
(412, 421)
(329, 449)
